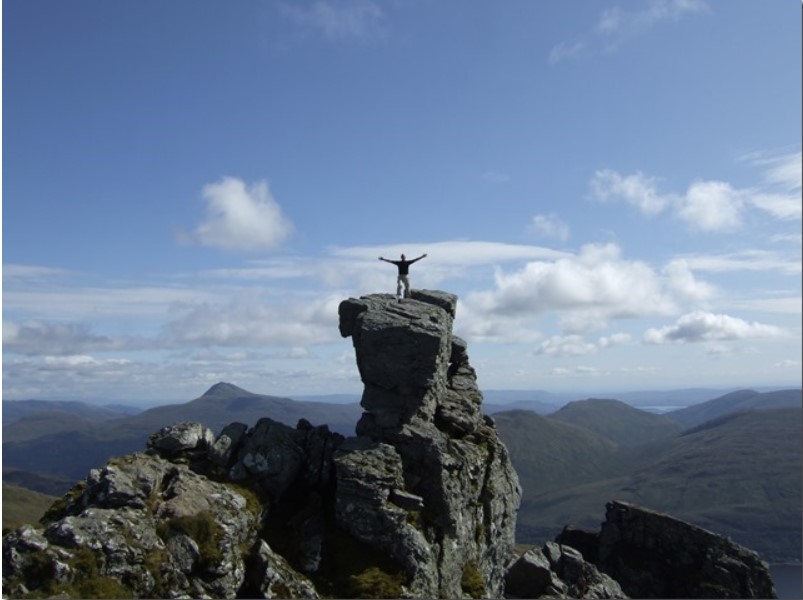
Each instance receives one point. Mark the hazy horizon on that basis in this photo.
(559, 395)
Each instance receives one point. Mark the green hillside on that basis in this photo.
(617, 421)
(21, 506)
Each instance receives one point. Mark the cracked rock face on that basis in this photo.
(434, 477)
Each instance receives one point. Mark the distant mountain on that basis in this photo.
(739, 475)
(224, 403)
(539, 401)
(617, 421)
(68, 446)
(741, 400)
(14, 410)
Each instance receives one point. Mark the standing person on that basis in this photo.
(404, 270)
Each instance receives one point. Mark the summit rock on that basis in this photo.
(433, 464)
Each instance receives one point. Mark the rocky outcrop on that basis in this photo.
(421, 503)
(427, 470)
(654, 555)
(140, 526)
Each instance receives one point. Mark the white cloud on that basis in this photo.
(711, 206)
(240, 217)
(338, 21)
(597, 282)
(550, 226)
(684, 284)
(700, 326)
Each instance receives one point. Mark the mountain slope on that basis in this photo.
(617, 421)
(548, 454)
(738, 476)
(741, 400)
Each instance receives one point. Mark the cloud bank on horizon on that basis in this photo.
(612, 218)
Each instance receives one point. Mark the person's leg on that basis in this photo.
(398, 286)
(406, 281)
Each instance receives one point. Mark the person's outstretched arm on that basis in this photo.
(385, 259)
(419, 258)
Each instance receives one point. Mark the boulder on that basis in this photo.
(173, 440)
(556, 570)
(655, 555)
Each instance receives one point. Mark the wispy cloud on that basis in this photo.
(338, 20)
(637, 189)
(550, 226)
(566, 51)
(616, 22)
(37, 337)
(744, 260)
(783, 181)
(616, 25)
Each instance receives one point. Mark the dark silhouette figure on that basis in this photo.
(404, 271)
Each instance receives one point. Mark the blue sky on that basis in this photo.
(190, 188)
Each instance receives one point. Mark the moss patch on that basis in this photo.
(202, 528)
(375, 583)
(472, 581)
